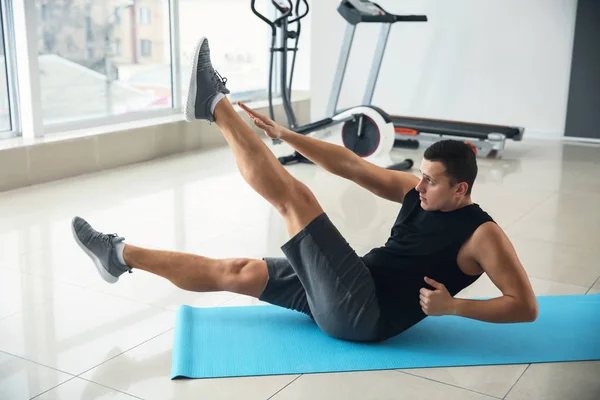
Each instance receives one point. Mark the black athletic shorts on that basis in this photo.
(323, 277)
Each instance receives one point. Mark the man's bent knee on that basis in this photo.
(299, 208)
(245, 276)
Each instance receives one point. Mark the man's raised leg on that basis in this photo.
(257, 164)
(339, 288)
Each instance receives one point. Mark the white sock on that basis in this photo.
(215, 100)
(119, 247)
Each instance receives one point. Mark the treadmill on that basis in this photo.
(486, 140)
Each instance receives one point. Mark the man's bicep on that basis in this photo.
(499, 260)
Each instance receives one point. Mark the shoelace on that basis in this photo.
(218, 79)
(108, 238)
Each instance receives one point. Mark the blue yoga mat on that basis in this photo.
(268, 340)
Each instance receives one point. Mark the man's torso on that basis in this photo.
(422, 243)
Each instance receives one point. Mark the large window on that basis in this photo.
(5, 124)
(102, 62)
(94, 59)
(238, 39)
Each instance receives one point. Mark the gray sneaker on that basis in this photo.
(205, 84)
(101, 249)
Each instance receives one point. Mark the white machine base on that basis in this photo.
(381, 155)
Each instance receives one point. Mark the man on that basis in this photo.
(441, 241)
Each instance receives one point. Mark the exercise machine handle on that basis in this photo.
(272, 24)
(402, 166)
(410, 18)
(298, 8)
(294, 158)
(358, 11)
(259, 15)
(286, 11)
(286, 160)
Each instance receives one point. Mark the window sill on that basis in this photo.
(25, 162)
(175, 117)
(20, 141)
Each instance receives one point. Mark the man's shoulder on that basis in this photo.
(488, 230)
(487, 235)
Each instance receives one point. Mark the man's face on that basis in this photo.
(435, 188)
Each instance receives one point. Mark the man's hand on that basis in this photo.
(436, 302)
(271, 128)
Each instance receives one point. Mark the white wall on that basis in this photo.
(240, 41)
(302, 72)
(505, 62)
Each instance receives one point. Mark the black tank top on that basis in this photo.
(422, 243)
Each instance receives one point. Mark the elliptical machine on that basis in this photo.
(367, 130)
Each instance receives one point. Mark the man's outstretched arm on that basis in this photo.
(388, 184)
(391, 185)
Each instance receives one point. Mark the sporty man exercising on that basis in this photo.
(440, 243)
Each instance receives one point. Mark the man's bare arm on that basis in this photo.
(388, 184)
(496, 255)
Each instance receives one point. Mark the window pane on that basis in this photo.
(92, 63)
(239, 43)
(144, 16)
(4, 104)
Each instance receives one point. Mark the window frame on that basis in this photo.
(30, 66)
(21, 47)
(11, 68)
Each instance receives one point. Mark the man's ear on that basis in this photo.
(461, 188)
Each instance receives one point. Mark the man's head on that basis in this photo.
(448, 169)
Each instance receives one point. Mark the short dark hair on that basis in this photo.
(458, 158)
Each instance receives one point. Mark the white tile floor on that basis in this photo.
(65, 334)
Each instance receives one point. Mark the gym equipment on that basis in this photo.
(366, 131)
(268, 340)
(488, 140)
(409, 132)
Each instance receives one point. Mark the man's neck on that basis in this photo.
(464, 202)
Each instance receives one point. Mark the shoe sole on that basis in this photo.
(190, 109)
(101, 270)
